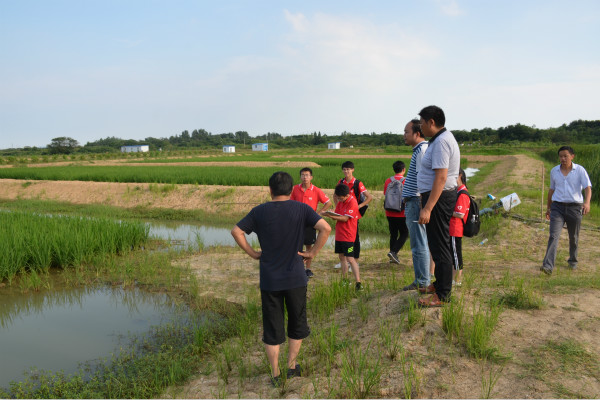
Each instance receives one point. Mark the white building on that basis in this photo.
(260, 147)
(333, 146)
(140, 148)
(228, 149)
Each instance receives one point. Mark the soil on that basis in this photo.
(570, 315)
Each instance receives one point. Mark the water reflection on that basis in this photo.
(60, 329)
(185, 236)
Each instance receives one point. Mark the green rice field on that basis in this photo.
(37, 242)
(371, 171)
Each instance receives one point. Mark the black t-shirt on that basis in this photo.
(279, 226)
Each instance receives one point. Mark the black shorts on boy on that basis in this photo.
(345, 248)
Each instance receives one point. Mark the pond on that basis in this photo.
(189, 236)
(61, 328)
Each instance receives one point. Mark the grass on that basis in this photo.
(36, 242)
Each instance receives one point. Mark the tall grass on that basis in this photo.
(38, 242)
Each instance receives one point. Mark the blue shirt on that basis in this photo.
(410, 184)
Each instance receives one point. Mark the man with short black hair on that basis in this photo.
(279, 225)
(566, 205)
(437, 185)
(412, 198)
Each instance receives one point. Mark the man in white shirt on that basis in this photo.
(566, 204)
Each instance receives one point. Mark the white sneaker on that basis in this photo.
(337, 266)
(349, 268)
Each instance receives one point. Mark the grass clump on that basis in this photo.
(522, 297)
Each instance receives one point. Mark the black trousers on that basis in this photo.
(398, 233)
(438, 238)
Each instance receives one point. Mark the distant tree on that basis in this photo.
(63, 145)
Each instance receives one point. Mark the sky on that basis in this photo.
(91, 69)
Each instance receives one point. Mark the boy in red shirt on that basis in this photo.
(457, 223)
(396, 219)
(345, 230)
(308, 193)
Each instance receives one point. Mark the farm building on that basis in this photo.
(228, 149)
(260, 147)
(333, 146)
(141, 148)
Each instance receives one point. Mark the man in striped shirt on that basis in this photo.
(410, 194)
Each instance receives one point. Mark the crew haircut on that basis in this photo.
(435, 113)
(281, 183)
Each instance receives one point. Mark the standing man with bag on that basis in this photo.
(437, 184)
(566, 204)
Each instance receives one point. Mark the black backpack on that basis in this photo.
(472, 225)
(355, 189)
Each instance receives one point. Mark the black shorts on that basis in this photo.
(310, 236)
(274, 319)
(345, 248)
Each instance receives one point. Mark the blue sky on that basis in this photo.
(90, 69)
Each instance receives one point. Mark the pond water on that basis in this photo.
(185, 236)
(59, 329)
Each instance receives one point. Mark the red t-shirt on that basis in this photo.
(361, 188)
(311, 196)
(393, 213)
(346, 231)
(462, 206)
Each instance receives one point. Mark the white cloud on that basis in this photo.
(450, 7)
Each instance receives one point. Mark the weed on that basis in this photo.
(388, 334)
(522, 297)
(453, 314)
(488, 382)
(411, 377)
(361, 372)
(415, 315)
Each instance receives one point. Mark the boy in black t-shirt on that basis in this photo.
(279, 225)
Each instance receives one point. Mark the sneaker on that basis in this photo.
(546, 271)
(412, 286)
(292, 372)
(358, 286)
(458, 284)
(393, 257)
(276, 380)
(309, 273)
(349, 268)
(337, 266)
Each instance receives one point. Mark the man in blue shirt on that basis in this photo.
(566, 204)
(412, 200)
(279, 225)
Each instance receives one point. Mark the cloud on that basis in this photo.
(450, 8)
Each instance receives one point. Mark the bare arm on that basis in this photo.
(240, 238)
(323, 230)
(341, 218)
(325, 207)
(586, 200)
(368, 199)
(436, 191)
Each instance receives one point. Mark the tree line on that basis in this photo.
(577, 132)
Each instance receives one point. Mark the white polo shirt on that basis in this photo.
(567, 189)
